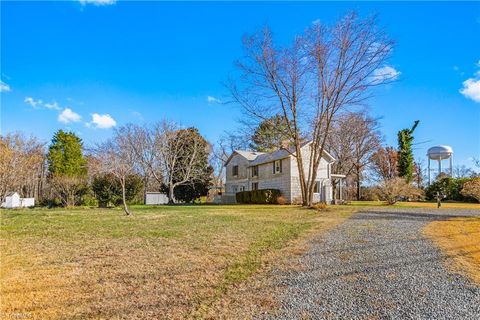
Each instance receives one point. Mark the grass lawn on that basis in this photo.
(445, 205)
(459, 238)
(164, 262)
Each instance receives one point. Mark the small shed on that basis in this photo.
(13, 200)
(154, 198)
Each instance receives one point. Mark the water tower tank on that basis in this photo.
(440, 152)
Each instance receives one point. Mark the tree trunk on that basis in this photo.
(358, 182)
(170, 193)
(124, 200)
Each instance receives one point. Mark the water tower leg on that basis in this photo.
(428, 171)
(451, 166)
(439, 165)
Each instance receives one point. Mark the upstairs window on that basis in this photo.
(277, 166)
(235, 171)
(255, 171)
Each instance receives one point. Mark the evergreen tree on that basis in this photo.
(405, 154)
(67, 168)
(65, 156)
(270, 134)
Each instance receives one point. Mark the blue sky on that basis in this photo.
(96, 66)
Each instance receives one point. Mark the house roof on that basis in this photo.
(269, 157)
(249, 155)
(256, 158)
(9, 194)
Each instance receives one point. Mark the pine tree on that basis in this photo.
(65, 155)
(270, 134)
(405, 154)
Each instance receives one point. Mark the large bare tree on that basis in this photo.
(353, 139)
(321, 73)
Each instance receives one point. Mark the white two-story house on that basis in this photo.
(247, 170)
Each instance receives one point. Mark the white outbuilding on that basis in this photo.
(13, 200)
(155, 198)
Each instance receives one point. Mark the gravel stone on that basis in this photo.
(378, 265)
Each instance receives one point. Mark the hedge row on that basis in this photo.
(262, 196)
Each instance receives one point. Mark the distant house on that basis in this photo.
(247, 170)
(13, 200)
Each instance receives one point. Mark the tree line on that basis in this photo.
(161, 157)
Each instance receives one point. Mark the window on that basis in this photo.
(255, 186)
(277, 166)
(242, 188)
(255, 171)
(234, 188)
(316, 188)
(235, 171)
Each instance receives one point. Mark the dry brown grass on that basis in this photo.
(460, 239)
(166, 262)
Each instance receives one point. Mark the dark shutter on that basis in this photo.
(281, 170)
(273, 167)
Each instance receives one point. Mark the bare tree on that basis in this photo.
(324, 71)
(117, 158)
(353, 140)
(22, 165)
(385, 163)
(178, 151)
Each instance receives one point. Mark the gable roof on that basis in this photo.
(9, 194)
(256, 158)
(269, 157)
(249, 155)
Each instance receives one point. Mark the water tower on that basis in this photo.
(439, 153)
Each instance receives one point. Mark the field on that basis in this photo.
(164, 262)
(460, 239)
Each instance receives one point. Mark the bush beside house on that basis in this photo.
(263, 196)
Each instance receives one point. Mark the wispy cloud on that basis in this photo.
(97, 2)
(102, 121)
(32, 102)
(53, 105)
(471, 86)
(37, 104)
(211, 99)
(4, 87)
(386, 73)
(67, 116)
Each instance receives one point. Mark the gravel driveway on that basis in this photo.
(378, 265)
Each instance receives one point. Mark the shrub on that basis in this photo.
(450, 187)
(471, 188)
(263, 196)
(281, 200)
(321, 206)
(396, 188)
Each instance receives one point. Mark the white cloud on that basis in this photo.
(34, 103)
(67, 116)
(97, 2)
(211, 99)
(471, 86)
(4, 87)
(54, 105)
(103, 121)
(386, 73)
(471, 89)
